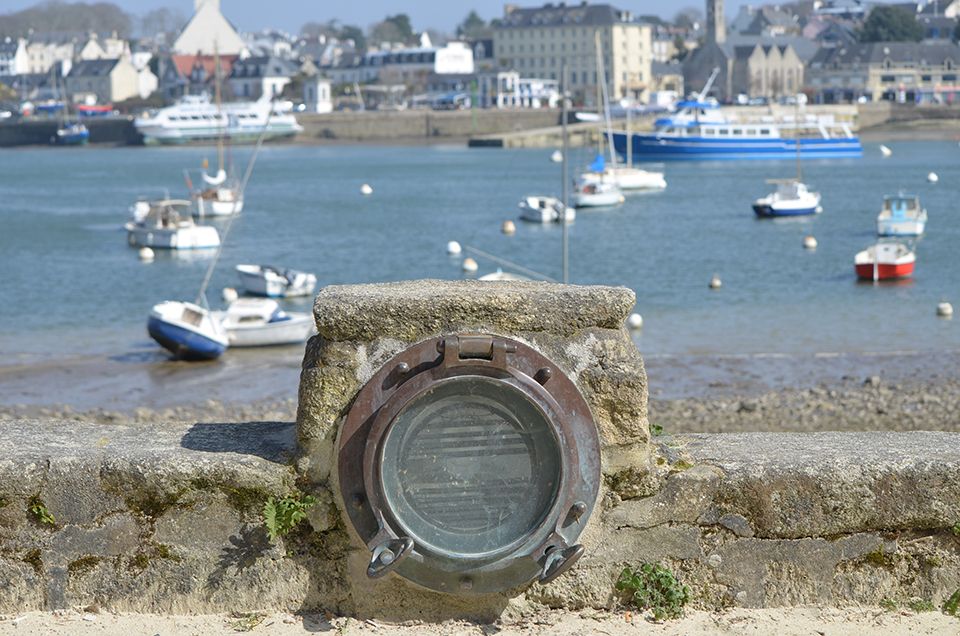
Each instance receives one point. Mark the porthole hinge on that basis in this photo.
(474, 347)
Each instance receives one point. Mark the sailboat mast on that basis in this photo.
(602, 72)
(796, 123)
(218, 98)
(563, 176)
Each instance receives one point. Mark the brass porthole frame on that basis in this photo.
(545, 552)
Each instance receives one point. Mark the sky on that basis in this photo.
(252, 15)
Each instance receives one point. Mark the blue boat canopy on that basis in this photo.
(598, 165)
(687, 103)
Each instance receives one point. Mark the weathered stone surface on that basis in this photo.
(790, 485)
(414, 310)
(684, 497)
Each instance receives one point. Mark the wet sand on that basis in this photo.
(689, 393)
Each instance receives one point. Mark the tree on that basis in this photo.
(394, 28)
(473, 26)
(355, 33)
(77, 17)
(891, 23)
(688, 18)
(163, 20)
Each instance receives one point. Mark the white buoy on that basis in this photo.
(886, 152)
(509, 228)
(556, 157)
(945, 310)
(819, 209)
(810, 242)
(469, 265)
(635, 321)
(229, 294)
(453, 248)
(715, 282)
(366, 190)
(932, 177)
(145, 254)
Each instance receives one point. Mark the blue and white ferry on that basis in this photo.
(700, 130)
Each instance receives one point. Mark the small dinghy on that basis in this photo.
(275, 282)
(166, 225)
(260, 322)
(901, 216)
(187, 330)
(887, 260)
(544, 209)
(71, 134)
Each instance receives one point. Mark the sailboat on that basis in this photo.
(598, 187)
(221, 194)
(191, 331)
(792, 197)
(627, 177)
(69, 133)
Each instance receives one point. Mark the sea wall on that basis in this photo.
(118, 131)
(171, 518)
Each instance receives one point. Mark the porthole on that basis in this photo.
(469, 464)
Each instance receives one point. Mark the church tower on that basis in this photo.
(716, 24)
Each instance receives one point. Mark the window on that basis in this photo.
(925, 78)
(950, 77)
(888, 78)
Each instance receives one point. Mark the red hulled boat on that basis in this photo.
(887, 260)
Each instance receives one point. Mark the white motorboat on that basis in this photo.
(791, 198)
(166, 224)
(275, 282)
(260, 322)
(901, 216)
(596, 194)
(187, 330)
(544, 209)
(221, 197)
(627, 178)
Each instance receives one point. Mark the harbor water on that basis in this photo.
(71, 286)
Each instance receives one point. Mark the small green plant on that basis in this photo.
(280, 516)
(40, 512)
(654, 587)
(956, 529)
(952, 606)
(920, 605)
(247, 622)
(889, 604)
(656, 430)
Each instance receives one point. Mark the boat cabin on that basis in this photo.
(901, 206)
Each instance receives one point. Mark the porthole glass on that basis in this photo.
(470, 467)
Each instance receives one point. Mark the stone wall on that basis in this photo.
(169, 519)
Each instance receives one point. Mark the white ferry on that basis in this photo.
(196, 118)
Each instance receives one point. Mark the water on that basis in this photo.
(72, 286)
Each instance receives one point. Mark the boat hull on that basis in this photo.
(197, 238)
(658, 147)
(72, 139)
(184, 343)
(766, 210)
(294, 330)
(900, 228)
(256, 282)
(885, 271)
(175, 137)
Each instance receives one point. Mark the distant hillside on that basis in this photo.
(67, 17)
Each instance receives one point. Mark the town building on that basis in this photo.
(208, 32)
(43, 52)
(108, 80)
(256, 78)
(317, 95)
(506, 89)
(906, 72)
(13, 57)
(425, 67)
(538, 42)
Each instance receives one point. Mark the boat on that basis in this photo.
(589, 194)
(260, 322)
(220, 194)
(500, 275)
(901, 216)
(167, 224)
(275, 282)
(791, 198)
(545, 209)
(627, 177)
(886, 260)
(69, 133)
(187, 330)
(195, 118)
(698, 129)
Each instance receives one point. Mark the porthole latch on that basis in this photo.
(557, 560)
(387, 555)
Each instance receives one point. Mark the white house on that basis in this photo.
(260, 77)
(316, 95)
(209, 32)
(13, 57)
(42, 54)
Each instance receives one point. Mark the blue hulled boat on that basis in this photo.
(186, 330)
(699, 130)
(75, 134)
